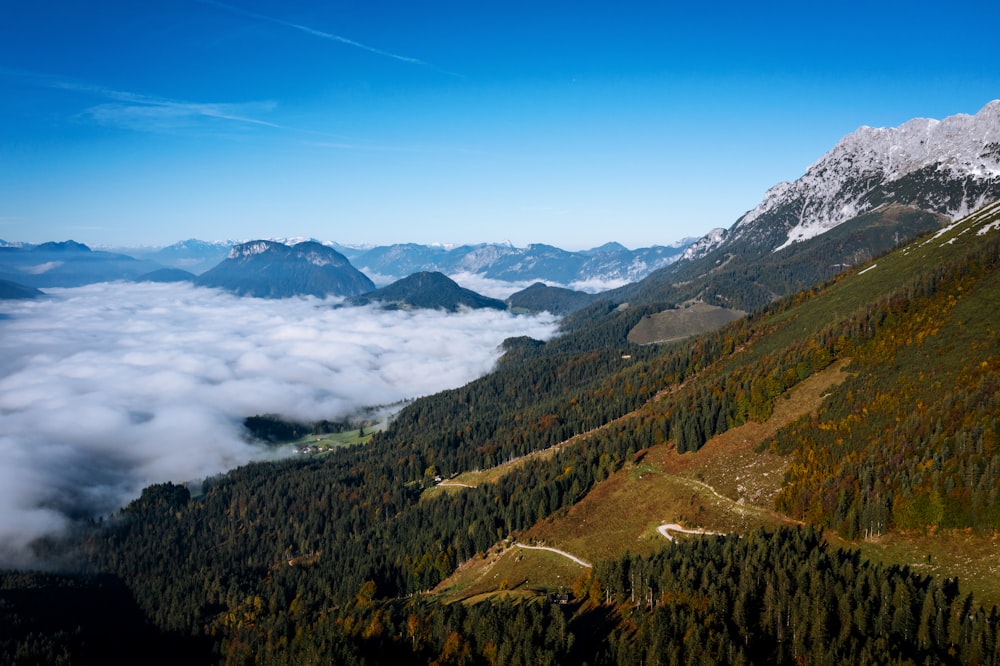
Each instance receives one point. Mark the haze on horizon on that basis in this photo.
(129, 124)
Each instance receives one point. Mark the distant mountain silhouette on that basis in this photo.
(192, 255)
(429, 290)
(540, 297)
(12, 290)
(503, 261)
(67, 264)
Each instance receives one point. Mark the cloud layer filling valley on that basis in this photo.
(108, 388)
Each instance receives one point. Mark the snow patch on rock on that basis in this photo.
(705, 244)
(249, 249)
(836, 188)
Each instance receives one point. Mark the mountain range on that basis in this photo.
(611, 264)
(67, 264)
(947, 167)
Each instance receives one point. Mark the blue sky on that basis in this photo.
(573, 124)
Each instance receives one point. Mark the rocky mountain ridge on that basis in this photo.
(874, 190)
(949, 166)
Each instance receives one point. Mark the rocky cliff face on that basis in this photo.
(949, 167)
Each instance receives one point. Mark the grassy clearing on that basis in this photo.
(727, 486)
(329, 441)
(729, 462)
(622, 514)
(477, 477)
(974, 559)
(509, 571)
(672, 325)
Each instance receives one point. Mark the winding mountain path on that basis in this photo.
(560, 552)
(666, 529)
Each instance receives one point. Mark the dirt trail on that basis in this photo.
(560, 552)
(454, 484)
(666, 529)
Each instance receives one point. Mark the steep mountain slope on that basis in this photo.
(950, 167)
(428, 290)
(267, 269)
(906, 441)
(885, 185)
(740, 276)
(911, 437)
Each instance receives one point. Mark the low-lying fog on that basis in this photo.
(108, 388)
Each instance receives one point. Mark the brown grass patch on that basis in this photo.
(677, 324)
(974, 559)
(509, 571)
(729, 462)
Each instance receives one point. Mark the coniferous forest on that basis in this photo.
(334, 558)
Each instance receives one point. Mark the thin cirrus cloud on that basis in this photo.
(147, 112)
(137, 111)
(160, 115)
(326, 35)
(108, 388)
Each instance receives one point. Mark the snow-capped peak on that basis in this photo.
(840, 184)
(961, 143)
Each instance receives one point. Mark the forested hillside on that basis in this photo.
(748, 276)
(926, 389)
(329, 559)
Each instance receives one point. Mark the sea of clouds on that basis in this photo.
(108, 388)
